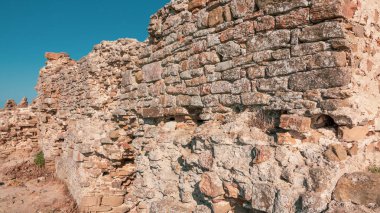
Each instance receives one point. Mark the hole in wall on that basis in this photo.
(322, 121)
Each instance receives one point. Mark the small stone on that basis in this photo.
(336, 152)
(231, 190)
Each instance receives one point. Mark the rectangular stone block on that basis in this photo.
(295, 123)
(321, 32)
(320, 79)
(330, 9)
(112, 200)
(152, 72)
(255, 98)
(293, 19)
(308, 48)
(229, 100)
(275, 7)
(269, 40)
(285, 67)
(220, 87)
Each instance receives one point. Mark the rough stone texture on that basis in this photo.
(228, 105)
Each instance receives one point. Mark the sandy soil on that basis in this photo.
(26, 188)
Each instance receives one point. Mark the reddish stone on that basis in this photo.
(215, 17)
(197, 4)
(293, 19)
(295, 123)
(329, 9)
(264, 23)
(285, 139)
(55, 56)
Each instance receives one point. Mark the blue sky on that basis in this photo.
(29, 28)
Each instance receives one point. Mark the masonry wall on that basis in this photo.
(229, 105)
(18, 131)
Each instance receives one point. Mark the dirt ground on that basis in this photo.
(27, 188)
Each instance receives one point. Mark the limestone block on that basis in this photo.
(356, 133)
(152, 72)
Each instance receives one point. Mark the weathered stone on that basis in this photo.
(240, 8)
(295, 123)
(285, 139)
(322, 31)
(221, 207)
(255, 99)
(320, 79)
(152, 72)
(55, 56)
(327, 9)
(112, 200)
(220, 87)
(264, 23)
(270, 40)
(215, 17)
(197, 4)
(361, 188)
(210, 185)
(336, 152)
(293, 19)
(356, 133)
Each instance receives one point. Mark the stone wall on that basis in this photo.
(18, 131)
(243, 105)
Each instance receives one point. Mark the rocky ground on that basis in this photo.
(25, 187)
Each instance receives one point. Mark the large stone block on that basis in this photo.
(152, 72)
(295, 123)
(322, 31)
(329, 9)
(320, 79)
(269, 40)
(362, 188)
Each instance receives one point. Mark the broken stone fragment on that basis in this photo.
(285, 138)
(336, 152)
(231, 190)
(10, 105)
(356, 133)
(210, 185)
(361, 188)
(23, 103)
(193, 4)
(260, 154)
(55, 56)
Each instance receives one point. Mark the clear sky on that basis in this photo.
(29, 28)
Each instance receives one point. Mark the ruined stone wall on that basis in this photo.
(229, 105)
(18, 131)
